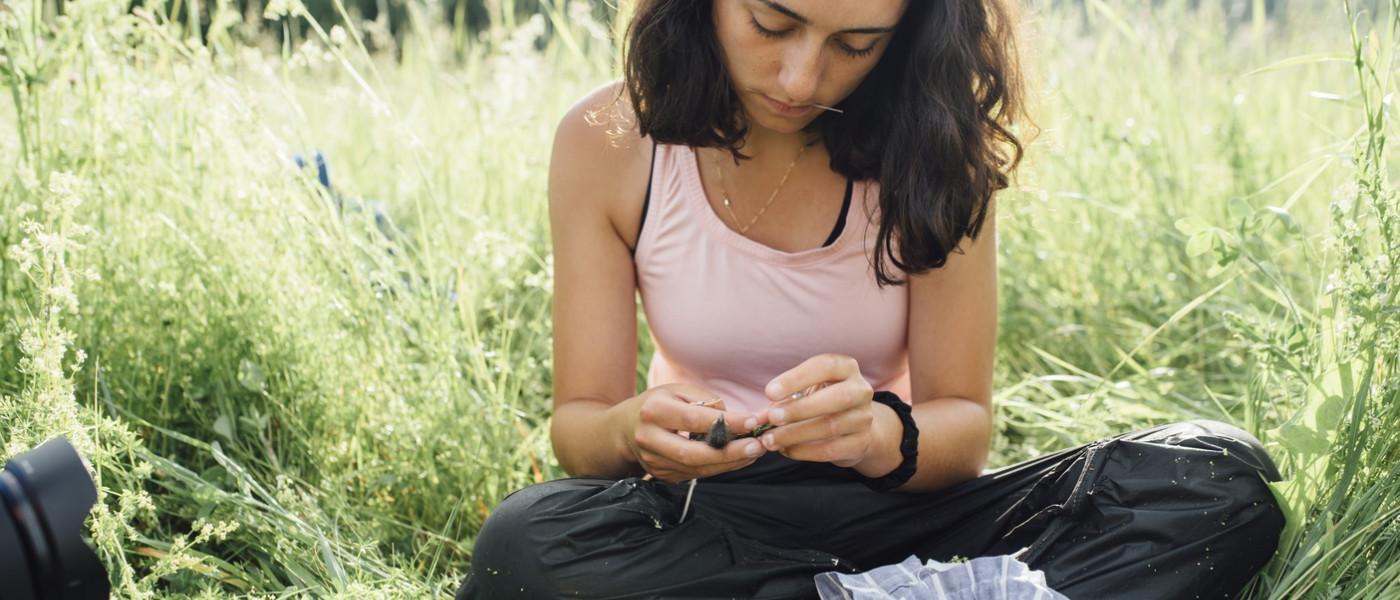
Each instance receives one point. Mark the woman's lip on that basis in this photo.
(786, 109)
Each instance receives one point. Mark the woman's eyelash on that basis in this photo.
(857, 53)
(764, 31)
(769, 33)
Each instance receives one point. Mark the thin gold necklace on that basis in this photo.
(719, 166)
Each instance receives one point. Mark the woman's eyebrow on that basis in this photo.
(805, 21)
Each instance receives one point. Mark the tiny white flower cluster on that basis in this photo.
(310, 55)
(338, 36)
(43, 254)
(1344, 197)
(277, 9)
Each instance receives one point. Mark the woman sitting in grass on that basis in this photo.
(802, 191)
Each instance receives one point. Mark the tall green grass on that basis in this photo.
(280, 399)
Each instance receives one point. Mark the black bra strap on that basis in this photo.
(646, 202)
(841, 222)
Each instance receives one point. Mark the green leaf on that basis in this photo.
(1282, 214)
(1329, 413)
(332, 564)
(1304, 440)
(224, 427)
(1200, 243)
(250, 376)
(1238, 209)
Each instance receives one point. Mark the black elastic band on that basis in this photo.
(908, 445)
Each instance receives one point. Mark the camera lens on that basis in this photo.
(46, 494)
(14, 562)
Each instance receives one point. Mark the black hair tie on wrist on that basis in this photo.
(908, 445)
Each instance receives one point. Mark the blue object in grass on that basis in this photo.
(377, 208)
(381, 216)
(323, 174)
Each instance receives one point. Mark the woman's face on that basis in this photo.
(783, 56)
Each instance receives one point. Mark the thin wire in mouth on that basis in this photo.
(821, 106)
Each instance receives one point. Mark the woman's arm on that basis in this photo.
(952, 343)
(594, 305)
(601, 427)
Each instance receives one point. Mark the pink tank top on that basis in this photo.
(730, 314)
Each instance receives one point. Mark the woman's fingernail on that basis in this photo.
(768, 441)
(750, 423)
(773, 388)
(776, 416)
(752, 449)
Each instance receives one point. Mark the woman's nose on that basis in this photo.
(802, 69)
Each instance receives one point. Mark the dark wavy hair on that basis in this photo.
(931, 121)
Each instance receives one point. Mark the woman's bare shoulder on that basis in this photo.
(601, 160)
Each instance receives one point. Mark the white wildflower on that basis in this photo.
(66, 188)
(338, 36)
(277, 9)
(1344, 196)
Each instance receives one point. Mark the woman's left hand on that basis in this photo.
(835, 423)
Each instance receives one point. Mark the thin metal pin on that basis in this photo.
(686, 509)
(824, 107)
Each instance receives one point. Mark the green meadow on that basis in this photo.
(289, 391)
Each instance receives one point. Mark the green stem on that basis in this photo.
(19, 115)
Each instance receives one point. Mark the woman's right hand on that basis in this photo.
(654, 417)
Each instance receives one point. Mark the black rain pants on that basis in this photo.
(1176, 511)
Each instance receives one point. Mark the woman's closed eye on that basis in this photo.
(771, 33)
(857, 52)
(766, 32)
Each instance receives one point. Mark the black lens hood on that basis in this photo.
(54, 496)
(15, 574)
